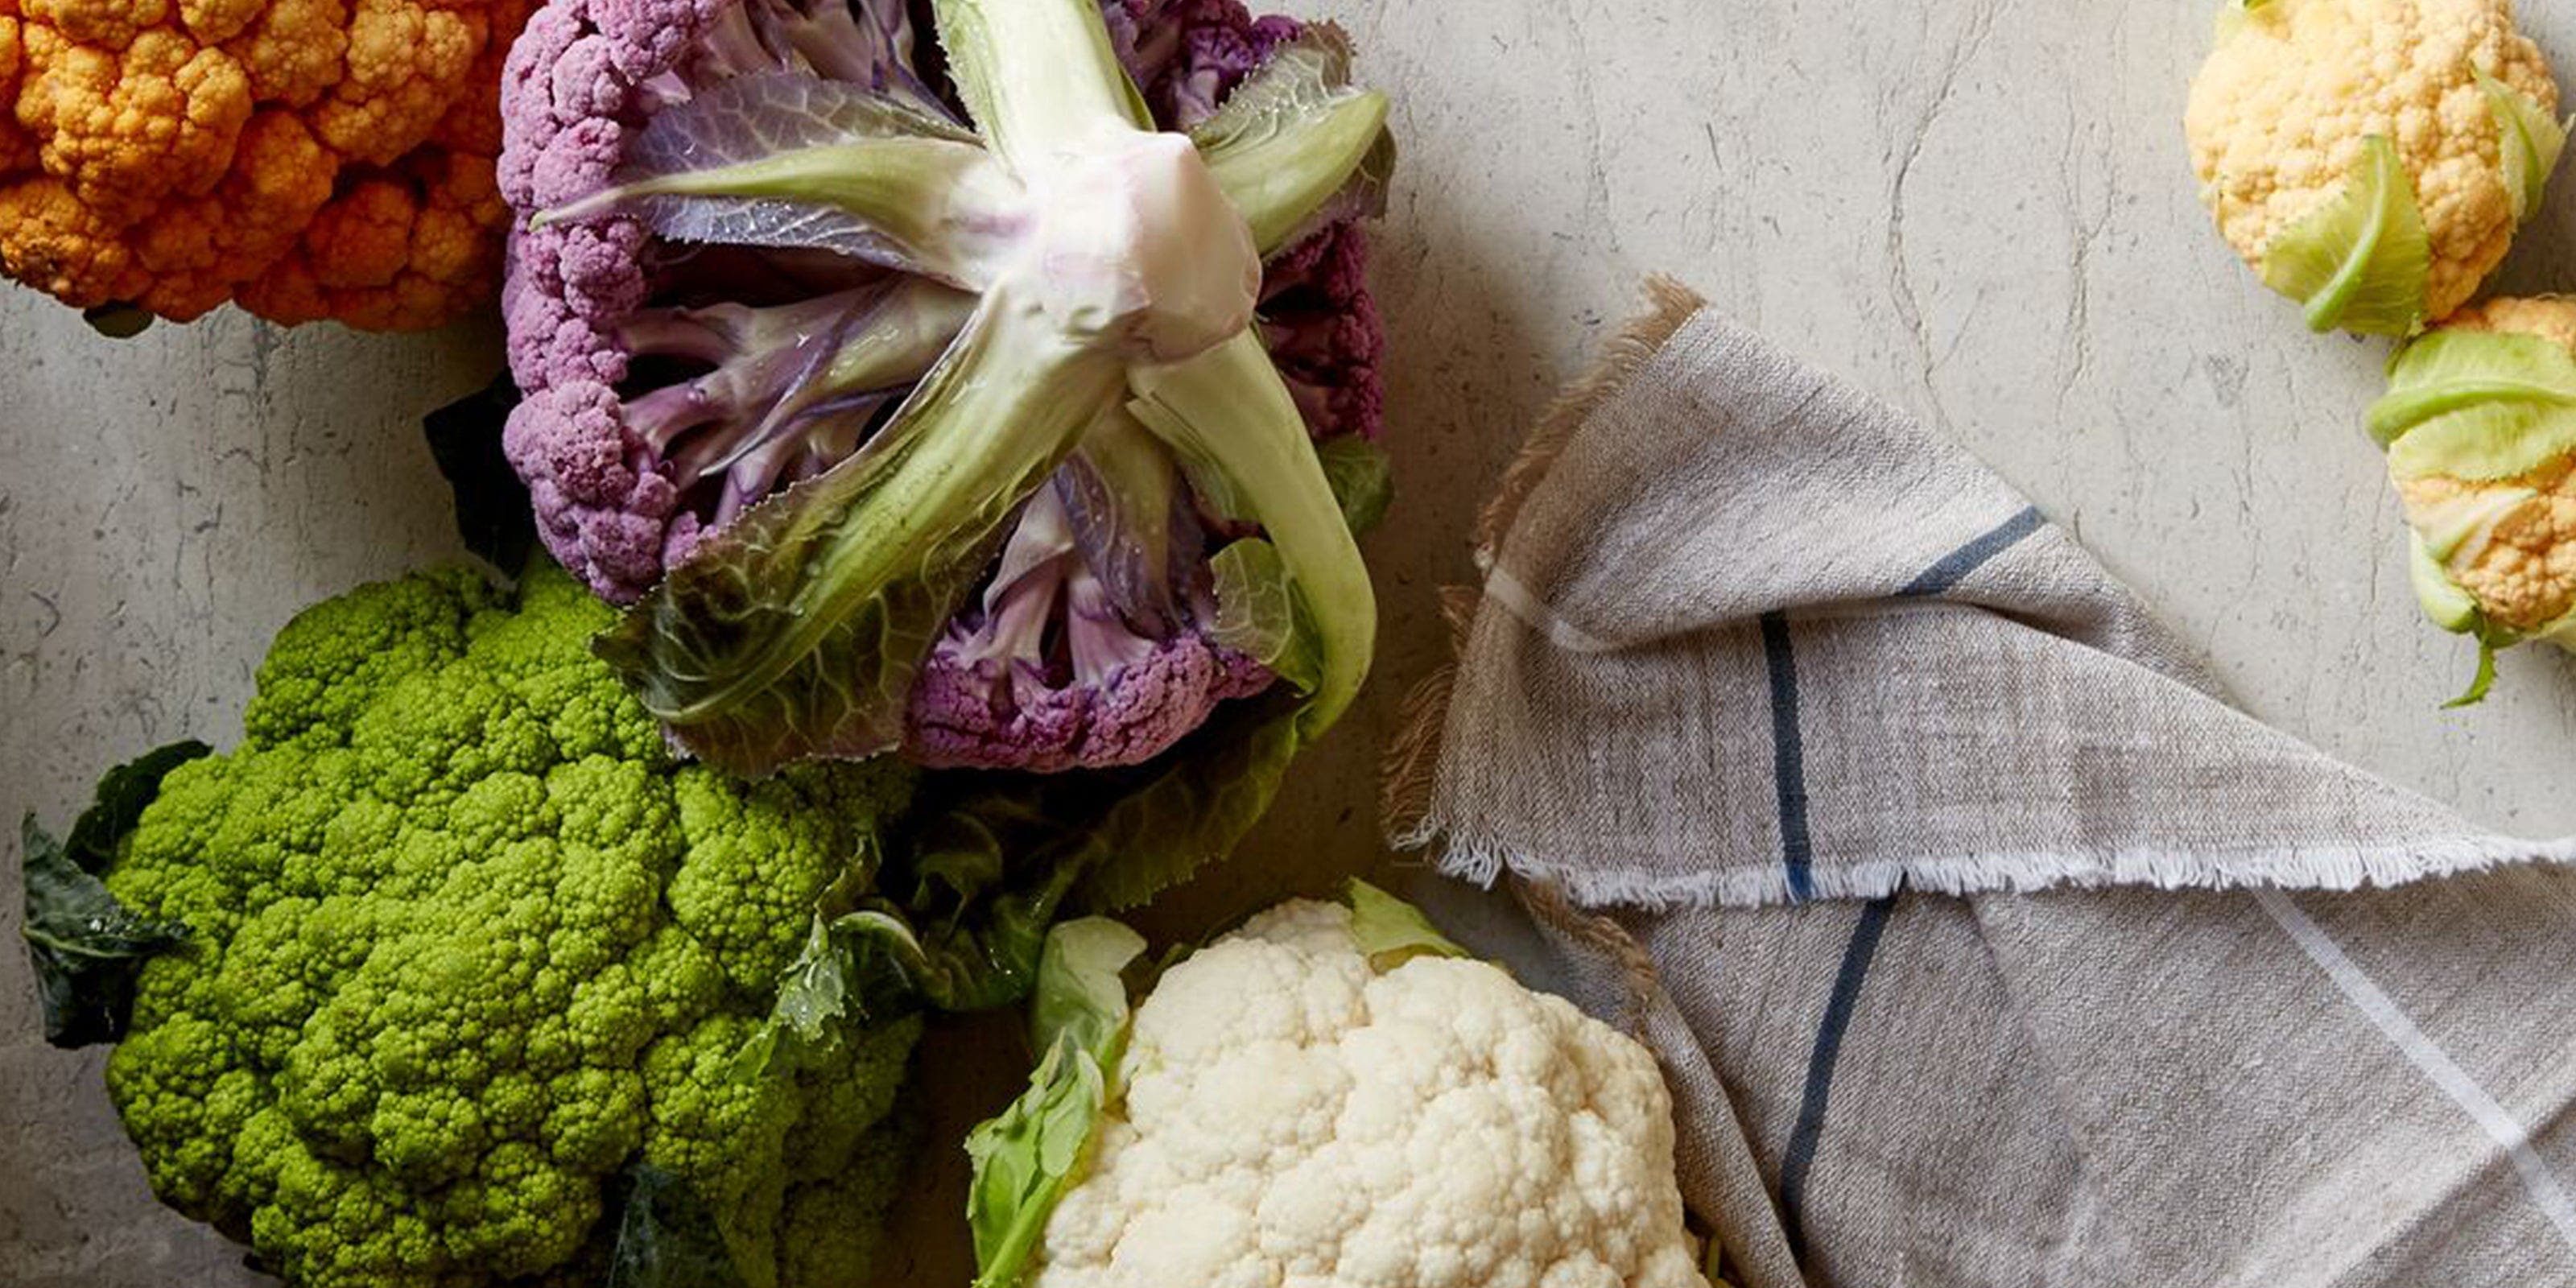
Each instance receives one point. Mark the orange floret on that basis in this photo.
(306, 159)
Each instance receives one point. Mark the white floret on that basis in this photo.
(1295, 1120)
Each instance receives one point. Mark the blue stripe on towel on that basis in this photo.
(1789, 757)
(1820, 1067)
(1956, 565)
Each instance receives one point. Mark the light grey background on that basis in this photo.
(1978, 209)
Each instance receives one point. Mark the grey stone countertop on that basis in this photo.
(1979, 209)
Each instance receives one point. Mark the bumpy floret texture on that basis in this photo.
(305, 158)
(2522, 569)
(625, 479)
(2279, 112)
(465, 943)
(1294, 1117)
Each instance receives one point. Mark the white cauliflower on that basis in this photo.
(1303, 1111)
(2480, 425)
(2372, 158)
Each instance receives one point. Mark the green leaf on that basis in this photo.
(86, 946)
(2235, 14)
(2528, 140)
(1026, 1156)
(1024, 1159)
(1256, 612)
(2444, 602)
(1391, 932)
(1296, 145)
(2455, 610)
(1194, 804)
(1038, 76)
(1362, 479)
(799, 161)
(1232, 421)
(667, 1236)
(2359, 261)
(2477, 405)
(1082, 990)
(493, 517)
(2481, 683)
(795, 631)
(2465, 520)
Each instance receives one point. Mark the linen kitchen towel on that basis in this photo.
(1983, 941)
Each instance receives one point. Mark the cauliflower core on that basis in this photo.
(2279, 113)
(1294, 1119)
(2521, 566)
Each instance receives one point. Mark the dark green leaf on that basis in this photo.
(116, 804)
(1194, 804)
(86, 946)
(667, 1237)
(492, 514)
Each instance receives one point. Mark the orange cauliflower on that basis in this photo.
(304, 158)
(2480, 426)
(2372, 159)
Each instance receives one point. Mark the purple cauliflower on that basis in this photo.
(684, 359)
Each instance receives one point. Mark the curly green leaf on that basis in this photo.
(2477, 405)
(2359, 261)
(1026, 1156)
(2528, 141)
(1297, 145)
(1391, 932)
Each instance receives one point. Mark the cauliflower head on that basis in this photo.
(1296, 1107)
(2480, 426)
(467, 947)
(2372, 158)
(305, 158)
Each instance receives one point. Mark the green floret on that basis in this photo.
(466, 945)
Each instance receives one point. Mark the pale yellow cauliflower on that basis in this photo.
(2480, 425)
(1294, 1117)
(2281, 121)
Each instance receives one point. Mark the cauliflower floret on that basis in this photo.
(2280, 116)
(1293, 1116)
(2480, 425)
(305, 158)
(466, 947)
(2519, 561)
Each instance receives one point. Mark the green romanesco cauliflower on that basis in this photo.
(467, 943)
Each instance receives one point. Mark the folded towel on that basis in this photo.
(1983, 941)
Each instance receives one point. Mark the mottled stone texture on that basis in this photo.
(1978, 208)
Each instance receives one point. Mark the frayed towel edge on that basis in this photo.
(1484, 861)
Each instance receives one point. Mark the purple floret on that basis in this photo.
(1187, 55)
(669, 387)
(1047, 674)
(1323, 333)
